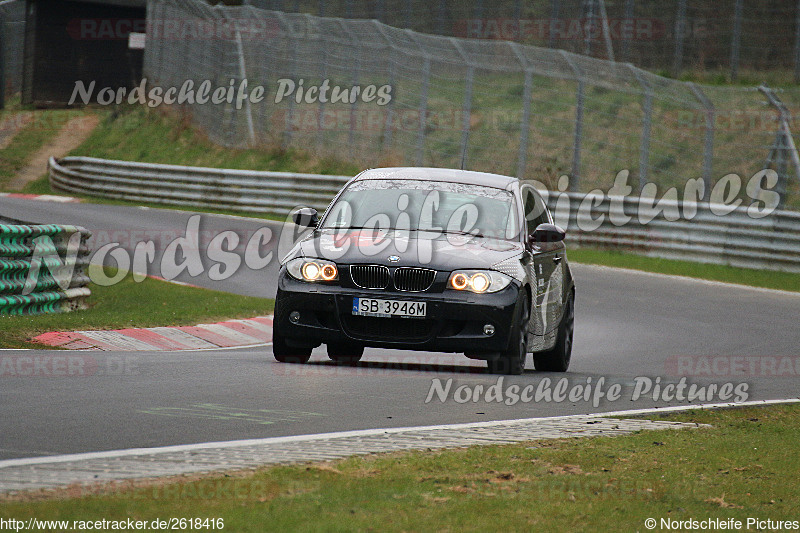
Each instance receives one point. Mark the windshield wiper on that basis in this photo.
(432, 230)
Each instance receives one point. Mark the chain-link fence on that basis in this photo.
(496, 106)
(12, 38)
(674, 36)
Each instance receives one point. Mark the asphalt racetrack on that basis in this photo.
(630, 327)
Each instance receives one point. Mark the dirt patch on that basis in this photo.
(72, 135)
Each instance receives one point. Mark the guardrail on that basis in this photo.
(735, 238)
(238, 190)
(21, 247)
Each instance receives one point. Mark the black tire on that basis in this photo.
(346, 353)
(288, 354)
(557, 359)
(512, 361)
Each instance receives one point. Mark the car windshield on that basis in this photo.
(421, 205)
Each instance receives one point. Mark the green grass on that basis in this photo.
(745, 466)
(786, 281)
(127, 304)
(133, 133)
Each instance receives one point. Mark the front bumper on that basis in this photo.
(454, 322)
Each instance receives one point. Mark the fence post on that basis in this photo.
(606, 31)
(736, 42)
(576, 144)
(626, 39)
(2, 60)
(251, 133)
(797, 45)
(467, 107)
(647, 107)
(551, 36)
(289, 120)
(525, 123)
(784, 142)
(517, 16)
(388, 126)
(356, 74)
(708, 145)
(588, 23)
(441, 15)
(680, 29)
(423, 100)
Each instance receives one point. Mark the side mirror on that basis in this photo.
(547, 233)
(306, 217)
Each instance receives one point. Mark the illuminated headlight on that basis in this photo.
(479, 281)
(305, 269)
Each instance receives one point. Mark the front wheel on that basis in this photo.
(287, 354)
(512, 361)
(557, 359)
(346, 353)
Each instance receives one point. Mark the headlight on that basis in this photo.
(479, 281)
(305, 269)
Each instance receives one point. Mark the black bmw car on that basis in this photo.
(429, 259)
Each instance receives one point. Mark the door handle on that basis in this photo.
(557, 259)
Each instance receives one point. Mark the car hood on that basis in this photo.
(406, 248)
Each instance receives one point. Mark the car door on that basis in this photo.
(545, 270)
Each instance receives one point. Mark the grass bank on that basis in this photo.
(744, 466)
(128, 304)
(767, 279)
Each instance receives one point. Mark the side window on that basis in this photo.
(535, 210)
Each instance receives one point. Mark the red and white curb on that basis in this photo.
(40, 197)
(228, 334)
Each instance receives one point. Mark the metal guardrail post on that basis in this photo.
(647, 119)
(708, 144)
(736, 40)
(680, 29)
(466, 110)
(423, 101)
(576, 143)
(525, 121)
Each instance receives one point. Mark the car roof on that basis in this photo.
(438, 174)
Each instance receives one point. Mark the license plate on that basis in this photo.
(389, 308)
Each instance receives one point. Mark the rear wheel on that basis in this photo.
(343, 352)
(512, 361)
(557, 359)
(288, 354)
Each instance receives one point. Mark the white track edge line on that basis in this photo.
(678, 277)
(360, 433)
